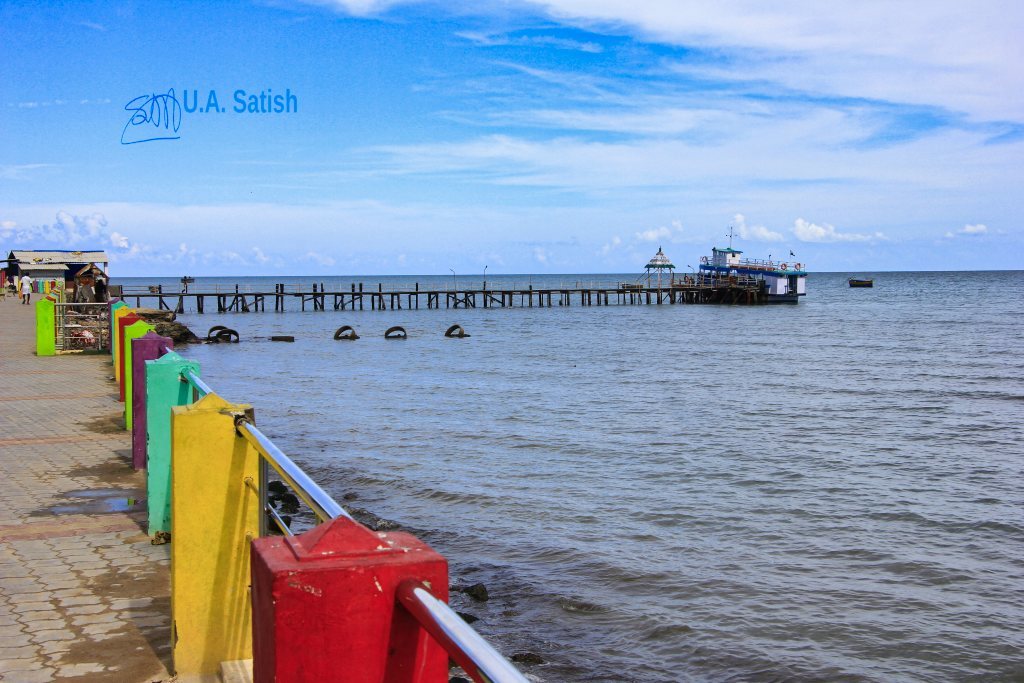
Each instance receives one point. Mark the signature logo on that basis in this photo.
(154, 117)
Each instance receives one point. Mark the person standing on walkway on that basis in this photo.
(101, 290)
(26, 289)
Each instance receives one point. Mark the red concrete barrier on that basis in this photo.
(324, 607)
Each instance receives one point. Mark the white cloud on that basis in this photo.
(20, 171)
(869, 49)
(754, 232)
(654, 234)
(812, 232)
(500, 39)
(318, 259)
(790, 150)
(541, 255)
(615, 242)
(881, 50)
(230, 256)
(359, 8)
(969, 229)
(87, 231)
(259, 256)
(118, 240)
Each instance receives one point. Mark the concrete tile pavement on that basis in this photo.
(83, 593)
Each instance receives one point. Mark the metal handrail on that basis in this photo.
(201, 387)
(325, 507)
(467, 647)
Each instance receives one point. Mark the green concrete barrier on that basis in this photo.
(46, 332)
(164, 390)
(133, 331)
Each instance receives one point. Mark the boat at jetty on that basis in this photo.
(861, 282)
(783, 282)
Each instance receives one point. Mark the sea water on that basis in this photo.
(823, 491)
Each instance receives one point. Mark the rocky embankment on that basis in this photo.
(166, 325)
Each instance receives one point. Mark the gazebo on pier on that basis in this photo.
(659, 263)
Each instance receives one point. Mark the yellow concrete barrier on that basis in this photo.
(214, 516)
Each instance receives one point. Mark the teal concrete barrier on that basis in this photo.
(164, 390)
(115, 305)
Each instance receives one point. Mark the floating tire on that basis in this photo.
(226, 336)
(346, 332)
(283, 338)
(455, 332)
(396, 332)
(212, 334)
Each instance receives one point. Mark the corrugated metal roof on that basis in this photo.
(28, 257)
(35, 267)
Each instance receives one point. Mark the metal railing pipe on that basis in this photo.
(467, 647)
(308, 490)
(201, 387)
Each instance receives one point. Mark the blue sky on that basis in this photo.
(552, 136)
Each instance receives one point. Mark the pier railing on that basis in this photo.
(695, 288)
(214, 501)
(348, 286)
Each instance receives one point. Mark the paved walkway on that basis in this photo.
(83, 594)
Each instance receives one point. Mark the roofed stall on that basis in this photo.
(45, 265)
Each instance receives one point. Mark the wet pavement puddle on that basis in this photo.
(97, 502)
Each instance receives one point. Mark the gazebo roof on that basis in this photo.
(660, 261)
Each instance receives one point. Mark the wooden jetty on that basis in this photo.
(734, 291)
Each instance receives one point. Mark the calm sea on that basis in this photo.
(830, 491)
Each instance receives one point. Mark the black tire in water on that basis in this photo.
(346, 332)
(227, 335)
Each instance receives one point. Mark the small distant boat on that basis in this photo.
(861, 282)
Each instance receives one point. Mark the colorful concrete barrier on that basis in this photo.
(115, 305)
(325, 606)
(123, 323)
(131, 332)
(214, 518)
(164, 390)
(46, 331)
(118, 313)
(148, 347)
(337, 602)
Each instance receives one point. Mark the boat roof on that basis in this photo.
(728, 250)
